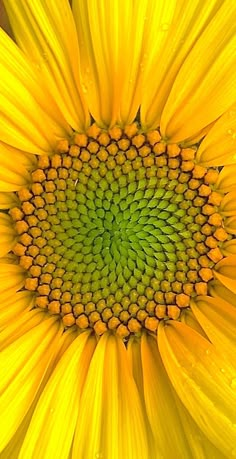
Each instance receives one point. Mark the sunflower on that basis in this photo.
(117, 229)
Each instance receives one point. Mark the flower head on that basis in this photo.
(117, 229)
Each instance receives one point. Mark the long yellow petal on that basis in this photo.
(173, 28)
(225, 272)
(227, 179)
(200, 446)
(205, 86)
(218, 319)
(23, 365)
(12, 450)
(13, 174)
(217, 289)
(11, 279)
(229, 248)
(195, 370)
(188, 318)
(218, 147)
(110, 36)
(30, 120)
(11, 308)
(8, 200)
(46, 33)
(22, 323)
(23, 158)
(56, 413)
(160, 404)
(228, 204)
(8, 235)
(4, 21)
(109, 405)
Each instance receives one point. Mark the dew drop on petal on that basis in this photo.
(233, 383)
(165, 26)
(84, 88)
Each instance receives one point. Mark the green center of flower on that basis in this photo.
(118, 230)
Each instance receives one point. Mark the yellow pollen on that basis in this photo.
(100, 327)
(215, 255)
(220, 234)
(81, 140)
(63, 146)
(173, 150)
(68, 320)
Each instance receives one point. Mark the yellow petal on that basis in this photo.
(205, 86)
(229, 248)
(54, 419)
(218, 319)
(228, 204)
(27, 160)
(60, 345)
(30, 120)
(225, 272)
(188, 318)
(230, 225)
(10, 258)
(217, 289)
(8, 236)
(218, 147)
(160, 404)
(47, 35)
(109, 407)
(227, 179)
(200, 446)
(23, 365)
(13, 174)
(195, 370)
(197, 137)
(8, 200)
(4, 22)
(12, 307)
(172, 29)
(11, 279)
(22, 323)
(110, 36)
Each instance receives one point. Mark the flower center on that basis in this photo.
(118, 231)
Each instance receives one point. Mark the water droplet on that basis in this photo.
(141, 67)
(99, 455)
(232, 113)
(165, 26)
(222, 370)
(84, 88)
(51, 410)
(232, 133)
(208, 351)
(233, 383)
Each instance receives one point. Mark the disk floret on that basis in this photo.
(118, 230)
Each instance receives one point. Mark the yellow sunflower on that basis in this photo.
(117, 229)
